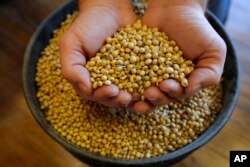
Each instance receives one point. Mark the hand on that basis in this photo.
(185, 23)
(96, 21)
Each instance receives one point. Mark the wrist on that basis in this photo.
(197, 4)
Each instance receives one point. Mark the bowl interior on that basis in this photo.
(41, 38)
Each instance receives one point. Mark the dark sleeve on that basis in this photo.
(220, 8)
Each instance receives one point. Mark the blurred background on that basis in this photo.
(24, 144)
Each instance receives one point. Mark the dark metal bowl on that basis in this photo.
(41, 38)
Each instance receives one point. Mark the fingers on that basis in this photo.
(111, 96)
(139, 106)
(156, 96)
(72, 64)
(201, 78)
(106, 92)
(123, 99)
(142, 107)
(172, 88)
(209, 68)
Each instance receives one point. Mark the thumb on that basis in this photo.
(72, 64)
(201, 78)
(209, 68)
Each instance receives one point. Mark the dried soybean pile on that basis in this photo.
(138, 57)
(119, 134)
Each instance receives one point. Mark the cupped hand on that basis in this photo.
(185, 23)
(96, 21)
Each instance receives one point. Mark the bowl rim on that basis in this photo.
(210, 132)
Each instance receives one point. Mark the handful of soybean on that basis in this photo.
(138, 57)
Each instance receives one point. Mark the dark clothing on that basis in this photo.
(220, 8)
